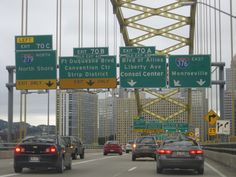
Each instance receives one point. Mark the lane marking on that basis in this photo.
(92, 160)
(8, 175)
(131, 169)
(215, 170)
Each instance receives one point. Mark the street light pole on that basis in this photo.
(48, 112)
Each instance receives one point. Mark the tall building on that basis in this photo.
(199, 110)
(126, 110)
(229, 98)
(106, 118)
(79, 116)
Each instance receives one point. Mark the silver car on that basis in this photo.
(181, 153)
(144, 146)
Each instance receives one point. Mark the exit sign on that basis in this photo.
(39, 42)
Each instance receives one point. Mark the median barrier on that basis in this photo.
(222, 158)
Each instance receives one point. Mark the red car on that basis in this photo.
(112, 147)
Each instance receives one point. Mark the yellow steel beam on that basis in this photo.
(136, 22)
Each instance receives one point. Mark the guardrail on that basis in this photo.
(229, 148)
(7, 146)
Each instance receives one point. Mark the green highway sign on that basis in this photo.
(141, 72)
(39, 42)
(76, 72)
(36, 70)
(90, 52)
(137, 51)
(190, 71)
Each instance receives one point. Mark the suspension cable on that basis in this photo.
(216, 58)
(79, 22)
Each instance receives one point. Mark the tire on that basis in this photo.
(133, 158)
(60, 167)
(120, 153)
(159, 170)
(82, 155)
(74, 156)
(201, 171)
(104, 153)
(18, 169)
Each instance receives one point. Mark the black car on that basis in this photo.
(42, 152)
(180, 153)
(76, 146)
(144, 146)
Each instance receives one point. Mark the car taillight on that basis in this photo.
(195, 152)
(164, 151)
(19, 149)
(51, 149)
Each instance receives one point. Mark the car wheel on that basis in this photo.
(82, 155)
(133, 158)
(60, 167)
(18, 169)
(159, 170)
(104, 153)
(74, 156)
(200, 171)
(120, 153)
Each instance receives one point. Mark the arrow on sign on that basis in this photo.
(211, 116)
(49, 83)
(176, 83)
(90, 82)
(132, 83)
(201, 82)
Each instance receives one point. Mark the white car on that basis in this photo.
(128, 148)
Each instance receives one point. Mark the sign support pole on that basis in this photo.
(10, 101)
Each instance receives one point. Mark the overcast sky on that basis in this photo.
(42, 20)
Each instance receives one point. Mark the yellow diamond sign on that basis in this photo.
(211, 117)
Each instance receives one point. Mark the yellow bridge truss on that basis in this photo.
(131, 15)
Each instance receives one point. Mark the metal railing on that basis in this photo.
(229, 148)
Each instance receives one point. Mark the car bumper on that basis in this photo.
(180, 163)
(45, 161)
(143, 154)
(112, 151)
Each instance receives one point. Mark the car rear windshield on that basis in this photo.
(145, 140)
(112, 142)
(40, 139)
(180, 143)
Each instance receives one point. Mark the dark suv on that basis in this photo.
(76, 145)
(144, 146)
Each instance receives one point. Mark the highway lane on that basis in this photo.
(97, 165)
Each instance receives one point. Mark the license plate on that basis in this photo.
(34, 159)
(180, 153)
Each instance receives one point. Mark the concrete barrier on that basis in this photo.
(221, 157)
(6, 154)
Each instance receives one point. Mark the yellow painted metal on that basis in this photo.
(149, 32)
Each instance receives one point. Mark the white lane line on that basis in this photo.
(215, 170)
(8, 175)
(131, 169)
(92, 160)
